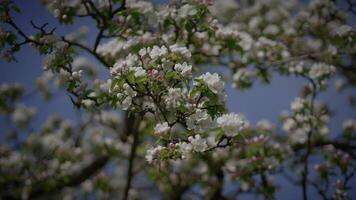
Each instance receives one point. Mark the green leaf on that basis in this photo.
(189, 26)
(172, 75)
(141, 80)
(131, 77)
(11, 39)
(167, 23)
(219, 137)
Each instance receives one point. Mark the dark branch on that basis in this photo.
(131, 158)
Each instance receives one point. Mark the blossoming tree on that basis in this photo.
(158, 126)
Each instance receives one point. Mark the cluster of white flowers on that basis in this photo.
(182, 50)
(161, 129)
(88, 103)
(264, 44)
(340, 84)
(298, 126)
(300, 122)
(265, 125)
(298, 104)
(103, 138)
(259, 49)
(242, 77)
(186, 11)
(159, 51)
(14, 160)
(126, 103)
(318, 70)
(5, 90)
(199, 121)
(22, 115)
(151, 63)
(343, 30)
(139, 71)
(109, 117)
(195, 143)
(122, 66)
(232, 123)
(153, 153)
(296, 134)
(185, 149)
(115, 46)
(82, 62)
(184, 69)
(155, 52)
(142, 6)
(64, 75)
(296, 67)
(227, 31)
(79, 35)
(349, 124)
(198, 143)
(173, 97)
(213, 81)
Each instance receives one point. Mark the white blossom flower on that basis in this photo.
(143, 52)
(122, 66)
(157, 52)
(226, 32)
(265, 125)
(343, 30)
(349, 124)
(22, 115)
(185, 148)
(142, 6)
(180, 50)
(271, 29)
(87, 186)
(118, 68)
(296, 67)
(77, 74)
(109, 117)
(199, 144)
(92, 95)
(81, 61)
(231, 123)
(184, 69)
(339, 84)
(213, 81)
(139, 71)
(226, 5)
(161, 129)
(126, 103)
(88, 103)
(153, 153)
(110, 48)
(242, 75)
(186, 11)
(298, 104)
(199, 121)
(129, 91)
(298, 136)
(64, 74)
(324, 130)
(289, 124)
(173, 97)
(320, 69)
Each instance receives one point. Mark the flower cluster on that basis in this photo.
(231, 124)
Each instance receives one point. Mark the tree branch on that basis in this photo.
(131, 159)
